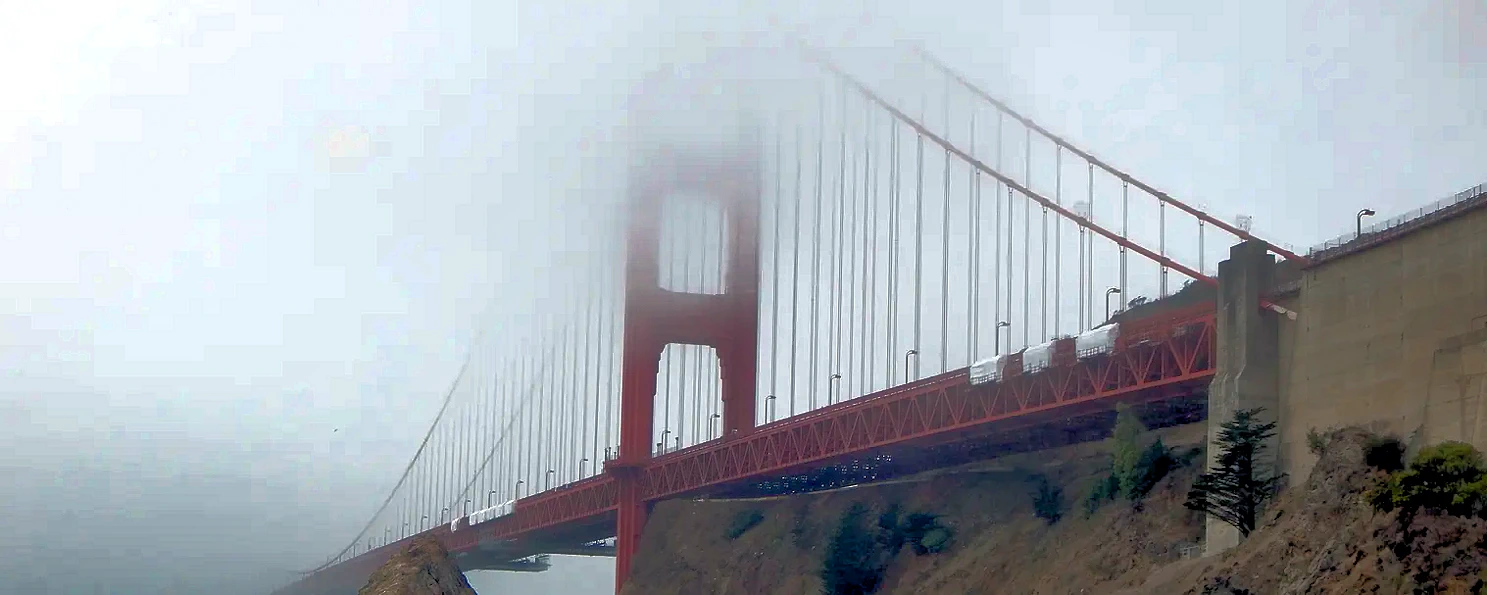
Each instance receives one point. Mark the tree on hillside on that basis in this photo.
(1126, 450)
(1234, 490)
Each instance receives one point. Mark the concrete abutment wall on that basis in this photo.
(1392, 337)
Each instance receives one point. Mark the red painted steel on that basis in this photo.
(655, 317)
(1156, 357)
(1151, 354)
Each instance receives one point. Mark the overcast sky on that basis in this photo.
(247, 243)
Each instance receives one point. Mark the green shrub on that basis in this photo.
(1048, 501)
(1126, 450)
(743, 521)
(1101, 491)
(853, 563)
(1156, 461)
(934, 541)
(1315, 441)
(1445, 478)
(890, 531)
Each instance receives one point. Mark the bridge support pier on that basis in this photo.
(1247, 364)
(656, 317)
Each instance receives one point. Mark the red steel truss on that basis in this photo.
(1165, 355)
(1152, 355)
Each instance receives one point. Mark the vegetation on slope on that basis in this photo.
(968, 530)
(1362, 522)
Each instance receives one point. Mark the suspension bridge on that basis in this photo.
(860, 271)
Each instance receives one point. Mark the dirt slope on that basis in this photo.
(1322, 537)
(1318, 537)
(999, 546)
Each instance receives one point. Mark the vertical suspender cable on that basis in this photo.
(1162, 245)
(1027, 237)
(834, 353)
(816, 244)
(774, 254)
(973, 309)
(795, 265)
(996, 265)
(892, 270)
(945, 250)
(669, 352)
(846, 277)
(918, 250)
(587, 438)
(869, 255)
(1089, 267)
(1125, 199)
(1058, 228)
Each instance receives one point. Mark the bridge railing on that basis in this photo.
(1460, 199)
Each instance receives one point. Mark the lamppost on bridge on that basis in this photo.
(996, 336)
(518, 488)
(444, 515)
(831, 386)
(423, 522)
(1108, 293)
(405, 528)
(488, 498)
(386, 531)
(1361, 214)
(908, 369)
(769, 405)
(678, 442)
(713, 433)
(581, 463)
(664, 433)
(550, 473)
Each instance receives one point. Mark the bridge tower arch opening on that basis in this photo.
(719, 182)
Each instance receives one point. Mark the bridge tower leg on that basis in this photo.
(656, 317)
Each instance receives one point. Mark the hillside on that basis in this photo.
(1317, 537)
(999, 546)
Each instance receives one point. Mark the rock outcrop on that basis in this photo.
(423, 568)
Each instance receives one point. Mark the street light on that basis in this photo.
(423, 522)
(996, 336)
(769, 405)
(488, 498)
(1361, 214)
(831, 388)
(443, 514)
(581, 463)
(550, 473)
(1108, 293)
(518, 487)
(715, 418)
(908, 354)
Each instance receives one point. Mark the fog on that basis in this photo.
(247, 245)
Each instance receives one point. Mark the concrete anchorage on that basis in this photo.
(1247, 366)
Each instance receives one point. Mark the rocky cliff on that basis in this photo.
(423, 568)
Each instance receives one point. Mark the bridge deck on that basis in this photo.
(1165, 357)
